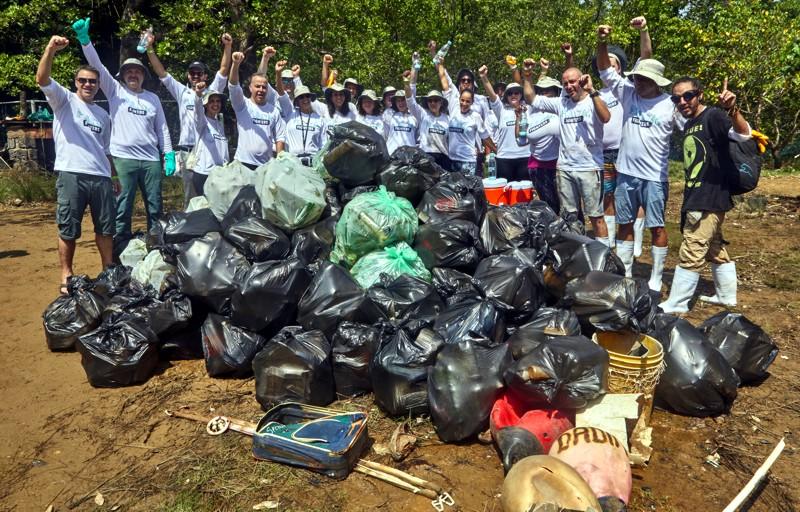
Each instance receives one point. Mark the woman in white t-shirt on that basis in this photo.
(338, 100)
(211, 147)
(401, 126)
(512, 159)
(306, 130)
(431, 112)
(369, 111)
(543, 139)
(466, 135)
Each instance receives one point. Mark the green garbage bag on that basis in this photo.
(292, 195)
(370, 222)
(223, 185)
(392, 261)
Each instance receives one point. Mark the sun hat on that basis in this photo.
(388, 89)
(287, 73)
(359, 87)
(513, 86)
(652, 69)
(368, 93)
(198, 65)
(303, 91)
(433, 93)
(209, 93)
(336, 87)
(132, 62)
(546, 83)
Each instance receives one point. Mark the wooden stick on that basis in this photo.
(380, 475)
(402, 474)
(757, 477)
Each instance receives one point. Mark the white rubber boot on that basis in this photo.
(659, 256)
(638, 237)
(625, 253)
(611, 222)
(683, 286)
(725, 284)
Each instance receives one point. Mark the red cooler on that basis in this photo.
(521, 191)
(496, 190)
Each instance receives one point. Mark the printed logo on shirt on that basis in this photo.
(190, 107)
(403, 128)
(613, 103)
(93, 126)
(511, 122)
(644, 119)
(303, 127)
(540, 125)
(137, 111)
(219, 137)
(438, 130)
(263, 122)
(456, 129)
(573, 119)
(694, 157)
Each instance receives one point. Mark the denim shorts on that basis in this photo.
(633, 193)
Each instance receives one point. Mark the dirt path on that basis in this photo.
(61, 440)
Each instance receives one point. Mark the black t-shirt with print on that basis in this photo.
(707, 162)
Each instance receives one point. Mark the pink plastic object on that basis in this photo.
(545, 424)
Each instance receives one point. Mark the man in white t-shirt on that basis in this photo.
(86, 176)
(185, 95)
(642, 176)
(582, 114)
(259, 122)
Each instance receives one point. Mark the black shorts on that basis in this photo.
(512, 169)
(75, 191)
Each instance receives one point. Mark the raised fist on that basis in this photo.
(199, 87)
(226, 39)
(603, 31)
(483, 71)
(544, 63)
(237, 57)
(586, 83)
(566, 48)
(280, 65)
(639, 23)
(327, 58)
(268, 52)
(58, 43)
(296, 70)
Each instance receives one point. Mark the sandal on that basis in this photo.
(63, 290)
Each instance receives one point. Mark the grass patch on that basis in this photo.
(786, 277)
(27, 186)
(184, 501)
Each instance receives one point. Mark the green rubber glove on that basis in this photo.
(169, 163)
(81, 28)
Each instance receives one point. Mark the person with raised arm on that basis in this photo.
(259, 123)
(306, 129)
(649, 119)
(582, 115)
(400, 125)
(211, 144)
(185, 96)
(86, 175)
(139, 134)
(431, 113)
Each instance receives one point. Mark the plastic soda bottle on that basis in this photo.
(416, 62)
(492, 165)
(142, 46)
(442, 53)
(511, 60)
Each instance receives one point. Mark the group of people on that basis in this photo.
(602, 153)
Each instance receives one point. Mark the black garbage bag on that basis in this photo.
(544, 224)
(575, 255)
(314, 243)
(333, 206)
(409, 173)
(354, 346)
(185, 342)
(112, 280)
(746, 346)
(544, 325)
(697, 380)
(121, 352)
(566, 372)
(294, 366)
(505, 228)
(575, 223)
(245, 205)
(454, 286)
(357, 153)
(269, 293)
(332, 297)
(513, 282)
(406, 297)
(161, 316)
(229, 349)
(456, 196)
(347, 194)
(399, 371)
(185, 226)
(258, 240)
(472, 319)
(452, 244)
(74, 314)
(463, 386)
(209, 269)
(610, 302)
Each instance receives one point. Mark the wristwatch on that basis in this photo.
(594, 94)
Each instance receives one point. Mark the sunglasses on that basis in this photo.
(91, 81)
(466, 80)
(287, 80)
(687, 96)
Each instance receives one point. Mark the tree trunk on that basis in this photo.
(23, 104)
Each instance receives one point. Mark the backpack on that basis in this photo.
(746, 158)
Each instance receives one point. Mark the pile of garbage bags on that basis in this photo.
(383, 274)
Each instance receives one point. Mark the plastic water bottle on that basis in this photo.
(523, 126)
(442, 53)
(416, 62)
(492, 166)
(142, 46)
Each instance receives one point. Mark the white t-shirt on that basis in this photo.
(504, 136)
(212, 146)
(465, 133)
(305, 133)
(612, 131)
(260, 127)
(580, 132)
(647, 128)
(338, 117)
(400, 129)
(543, 135)
(185, 96)
(138, 127)
(81, 132)
(374, 122)
(432, 130)
(479, 105)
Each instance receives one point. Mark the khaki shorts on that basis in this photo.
(576, 187)
(702, 240)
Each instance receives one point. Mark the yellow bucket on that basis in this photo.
(627, 373)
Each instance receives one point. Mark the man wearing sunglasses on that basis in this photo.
(185, 95)
(706, 194)
(86, 175)
(649, 118)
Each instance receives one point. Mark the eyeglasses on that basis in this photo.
(687, 96)
(91, 81)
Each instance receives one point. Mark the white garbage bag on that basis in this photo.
(292, 195)
(223, 185)
(153, 270)
(134, 252)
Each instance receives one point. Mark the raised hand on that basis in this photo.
(527, 66)
(586, 83)
(545, 64)
(151, 39)
(296, 70)
(327, 59)
(603, 31)
(280, 65)
(199, 87)
(81, 28)
(407, 74)
(566, 48)
(58, 43)
(432, 47)
(639, 23)
(237, 57)
(483, 71)
(727, 99)
(226, 40)
(268, 52)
